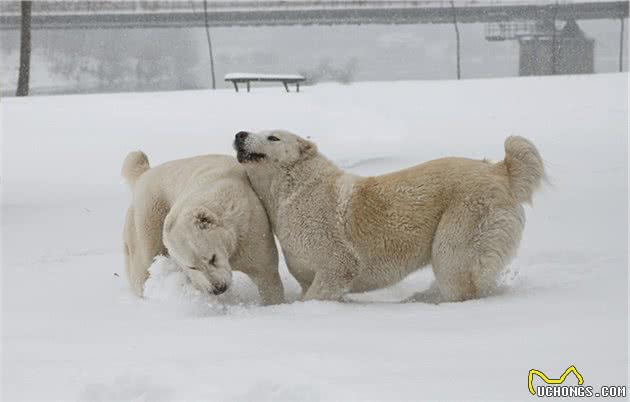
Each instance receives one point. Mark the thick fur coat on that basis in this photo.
(202, 212)
(340, 232)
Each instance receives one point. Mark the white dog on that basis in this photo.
(341, 232)
(203, 212)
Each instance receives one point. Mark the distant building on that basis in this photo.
(574, 53)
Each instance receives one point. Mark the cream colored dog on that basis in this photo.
(203, 212)
(340, 232)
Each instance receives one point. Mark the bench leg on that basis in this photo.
(297, 87)
(247, 86)
(286, 86)
(235, 85)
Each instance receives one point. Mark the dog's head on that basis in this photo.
(198, 240)
(276, 147)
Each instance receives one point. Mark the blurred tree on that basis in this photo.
(127, 60)
(25, 50)
(326, 71)
(114, 68)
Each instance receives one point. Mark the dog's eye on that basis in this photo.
(273, 138)
(194, 268)
(213, 260)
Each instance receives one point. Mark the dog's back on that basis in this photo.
(168, 180)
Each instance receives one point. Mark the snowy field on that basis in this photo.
(71, 330)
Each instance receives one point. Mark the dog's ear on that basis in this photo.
(204, 219)
(307, 148)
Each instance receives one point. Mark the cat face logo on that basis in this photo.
(552, 381)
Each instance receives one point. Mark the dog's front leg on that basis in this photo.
(269, 285)
(333, 282)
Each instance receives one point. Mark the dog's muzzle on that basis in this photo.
(239, 138)
(241, 153)
(219, 289)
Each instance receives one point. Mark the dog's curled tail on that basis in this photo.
(134, 165)
(524, 166)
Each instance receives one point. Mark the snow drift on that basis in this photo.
(72, 330)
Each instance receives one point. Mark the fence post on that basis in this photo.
(25, 50)
(621, 35)
(459, 73)
(205, 16)
(553, 39)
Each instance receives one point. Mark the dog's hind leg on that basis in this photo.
(146, 232)
(500, 235)
(129, 239)
(471, 249)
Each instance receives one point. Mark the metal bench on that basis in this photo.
(286, 79)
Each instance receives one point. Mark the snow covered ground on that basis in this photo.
(71, 330)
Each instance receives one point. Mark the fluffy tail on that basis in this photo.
(524, 167)
(134, 165)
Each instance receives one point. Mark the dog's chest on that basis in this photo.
(306, 229)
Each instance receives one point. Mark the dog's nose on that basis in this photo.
(241, 135)
(219, 289)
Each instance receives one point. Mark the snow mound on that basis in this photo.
(168, 281)
(169, 285)
(130, 388)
